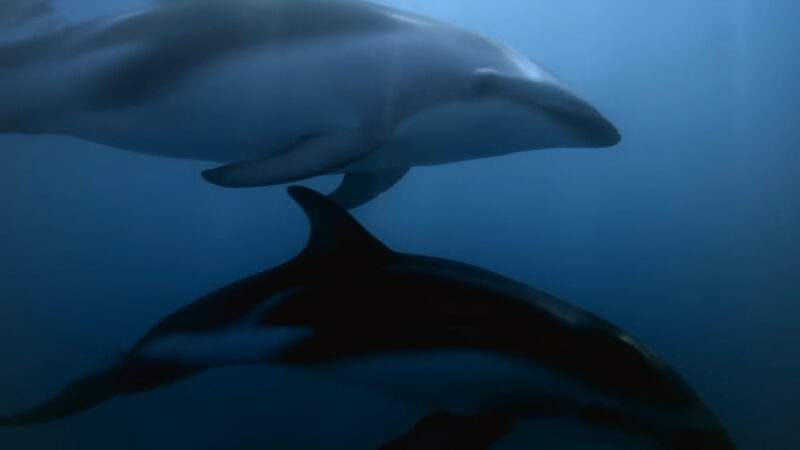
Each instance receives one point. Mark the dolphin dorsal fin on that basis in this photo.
(333, 229)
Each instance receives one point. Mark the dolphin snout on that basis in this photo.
(599, 131)
(587, 125)
(582, 122)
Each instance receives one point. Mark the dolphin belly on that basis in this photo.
(463, 130)
(465, 381)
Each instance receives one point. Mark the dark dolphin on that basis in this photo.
(481, 351)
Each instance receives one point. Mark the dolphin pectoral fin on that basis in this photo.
(77, 396)
(358, 188)
(444, 431)
(311, 156)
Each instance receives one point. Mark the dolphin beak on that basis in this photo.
(589, 126)
(586, 125)
(600, 132)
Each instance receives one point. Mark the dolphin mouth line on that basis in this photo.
(559, 103)
(590, 126)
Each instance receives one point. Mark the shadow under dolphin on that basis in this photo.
(482, 352)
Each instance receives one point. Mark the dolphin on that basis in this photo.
(278, 91)
(482, 352)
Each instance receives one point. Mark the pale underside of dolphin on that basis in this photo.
(482, 352)
(283, 90)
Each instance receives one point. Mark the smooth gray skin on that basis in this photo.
(20, 18)
(482, 352)
(283, 90)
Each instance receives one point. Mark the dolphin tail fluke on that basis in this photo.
(77, 396)
(445, 430)
(358, 188)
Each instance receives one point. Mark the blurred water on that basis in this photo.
(686, 234)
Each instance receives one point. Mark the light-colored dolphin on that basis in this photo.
(282, 90)
(481, 351)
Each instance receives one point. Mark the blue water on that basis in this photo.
(685, 234)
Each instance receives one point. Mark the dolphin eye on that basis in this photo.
(488, 81)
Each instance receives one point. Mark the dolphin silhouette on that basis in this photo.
(283, 90)
(481, 351)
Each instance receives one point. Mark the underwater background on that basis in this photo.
(686, 234)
